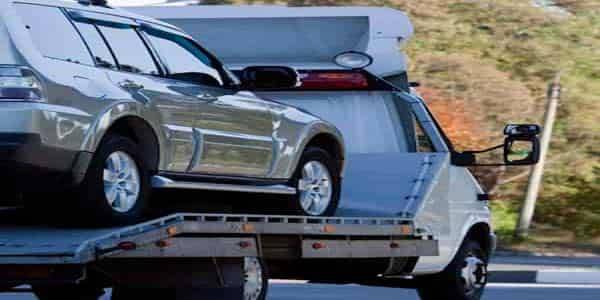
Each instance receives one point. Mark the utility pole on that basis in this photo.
(535, 178)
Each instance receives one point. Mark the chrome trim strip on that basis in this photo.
(161, 182)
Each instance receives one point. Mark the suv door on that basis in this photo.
(118, 47)
(233, 131)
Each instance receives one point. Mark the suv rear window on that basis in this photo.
(53, 34)
(100, 52)
(130, 51)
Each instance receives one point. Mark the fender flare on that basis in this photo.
(310, 132)
(110, 116)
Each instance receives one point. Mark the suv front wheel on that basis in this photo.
(318, 182)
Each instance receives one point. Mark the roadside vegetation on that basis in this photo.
(485, 63)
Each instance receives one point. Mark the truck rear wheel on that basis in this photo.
(256, 279)
(463, 279)
(318, 181)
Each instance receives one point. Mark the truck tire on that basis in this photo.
(318, 180)
(116, 188)
(463, 279)
(67, 292)
(256, 279)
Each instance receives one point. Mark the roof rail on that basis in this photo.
(102, 3)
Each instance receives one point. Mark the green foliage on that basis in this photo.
(505, 217)
(575, 204)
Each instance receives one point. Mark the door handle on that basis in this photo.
(206, 97)
(131, 85)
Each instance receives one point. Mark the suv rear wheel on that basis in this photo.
(116, 188)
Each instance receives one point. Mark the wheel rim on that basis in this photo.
(315, 188)
(121, 181)
(474, 274)
(253, 278)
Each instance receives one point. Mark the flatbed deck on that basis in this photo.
(43, 244)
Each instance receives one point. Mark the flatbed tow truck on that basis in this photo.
(411, 215)
(217, 256)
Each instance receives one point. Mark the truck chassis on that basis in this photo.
(204, 254)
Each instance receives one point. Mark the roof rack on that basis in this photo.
(102, 3)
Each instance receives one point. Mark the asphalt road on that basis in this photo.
(494, 292)
(297, 291)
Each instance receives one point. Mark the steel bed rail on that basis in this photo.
(223, 235)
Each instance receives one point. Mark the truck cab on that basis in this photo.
(410, 214)
(399, 160)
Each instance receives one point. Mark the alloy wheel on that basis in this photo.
(315, 188)
(121, 178)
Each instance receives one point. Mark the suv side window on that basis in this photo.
(184, 59)
(130, 51)
(53, 34)
(100, 52)
(424, 143)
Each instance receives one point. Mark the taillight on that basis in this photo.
(334, 80)
(19, 83)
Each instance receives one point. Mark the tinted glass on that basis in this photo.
(100, 52)
(183, 56)
(424, 143)
(131, 52)
(53, 34)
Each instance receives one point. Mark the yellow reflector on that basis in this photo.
(405, 229)
(172, 230)
(329, 229)
(248, 228)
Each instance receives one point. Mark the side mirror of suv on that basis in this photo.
(269, 78)
(521, 145)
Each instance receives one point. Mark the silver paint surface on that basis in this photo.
(231, 133)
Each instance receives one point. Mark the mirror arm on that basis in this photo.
(468, 158)
(486, 150)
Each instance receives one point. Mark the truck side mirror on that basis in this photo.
(269, 78)
(521, 145)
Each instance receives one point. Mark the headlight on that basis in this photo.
(353, 60)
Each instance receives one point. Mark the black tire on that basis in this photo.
(449, 284)
(67, 292)
(264, 289)
(90, 198)
(316, 154)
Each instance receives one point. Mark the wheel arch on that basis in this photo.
(127, 119)
(141, 133)
(329, 143)
(482, 233)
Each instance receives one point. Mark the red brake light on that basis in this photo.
(334, 80)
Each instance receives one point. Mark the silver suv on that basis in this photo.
(104, 106)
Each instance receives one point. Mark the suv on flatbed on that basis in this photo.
(104, 106)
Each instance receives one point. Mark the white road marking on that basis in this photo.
(543, 286)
